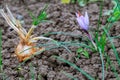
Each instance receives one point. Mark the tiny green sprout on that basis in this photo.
(83, 52)
(40, 18)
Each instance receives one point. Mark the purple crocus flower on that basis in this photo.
(83, 21)
(84, 24)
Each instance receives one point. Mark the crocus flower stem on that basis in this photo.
(91, 39)
(94, 45)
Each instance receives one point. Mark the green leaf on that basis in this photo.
(86, 54)
(103, 41)
(115, 17)
(79, 50)
(40, 18)
(43, 14)
(83, 52)
(116, 12)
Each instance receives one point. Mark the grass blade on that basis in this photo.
(112, 67)
(101, 57)
(64, 33)
(32, 72)
(113, 46)
(76, 67)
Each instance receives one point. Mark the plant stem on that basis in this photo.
(91, 39)
(101, 57)
(30, 31)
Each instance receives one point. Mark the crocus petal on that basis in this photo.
(86, 18)
(83, 21)
(80, 23)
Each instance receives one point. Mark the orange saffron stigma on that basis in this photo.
(79, 14)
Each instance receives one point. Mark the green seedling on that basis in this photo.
(40, 18)
(83, 52)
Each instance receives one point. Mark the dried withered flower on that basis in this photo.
(26, 47)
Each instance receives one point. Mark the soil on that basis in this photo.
(63, 19)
